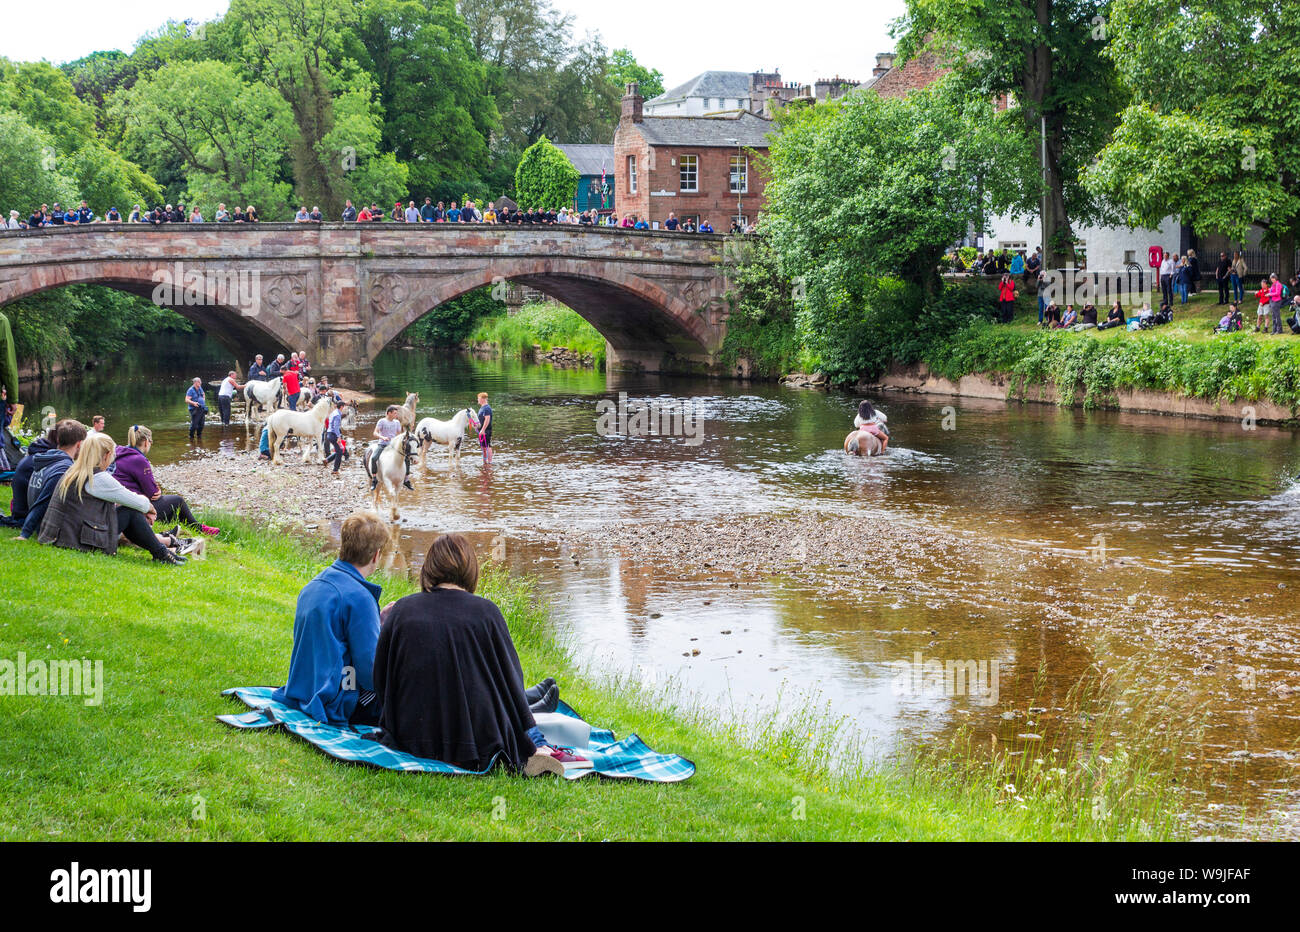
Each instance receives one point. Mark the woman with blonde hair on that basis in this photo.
(89, 508)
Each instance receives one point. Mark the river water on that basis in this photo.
(1075, 542)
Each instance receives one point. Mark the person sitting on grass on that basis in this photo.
(1231, 322)
(1070, 319)
(133, 470)
(90, 509)
(1115, 318)
(23, 474)
(335, 629)
(448, 678)
(1052, 316)
(47, 469)
(1088, 317)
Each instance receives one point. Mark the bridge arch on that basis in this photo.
(635, 314)
(206, 299)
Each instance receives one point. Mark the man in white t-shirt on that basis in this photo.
(386, 431)
(229, 385)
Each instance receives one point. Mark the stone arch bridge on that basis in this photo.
(344, 291)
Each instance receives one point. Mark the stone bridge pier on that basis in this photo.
(343, 292)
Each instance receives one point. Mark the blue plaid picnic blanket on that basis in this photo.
(628, 759)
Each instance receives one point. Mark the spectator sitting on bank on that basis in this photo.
(1017, 264)
(335, 630)
(1231, 322)
(1113, 319)
(1087, 317)
(445, 648)
(47, 469)
(18, 505)
(89, 509)
(132, 469)
(1052, 316)
(1070, 317)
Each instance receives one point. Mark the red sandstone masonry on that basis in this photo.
(344, 291)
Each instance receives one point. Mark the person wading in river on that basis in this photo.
(198, 408)
(485, 427)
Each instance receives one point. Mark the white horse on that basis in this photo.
(450, 434)
(406, 413)
(307, 426)
(263, 396)
(389, 470)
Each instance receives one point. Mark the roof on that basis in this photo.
(739, 127)
(589, 159)
(733, 84)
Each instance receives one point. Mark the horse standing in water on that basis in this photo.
(406, 413)
(307, 426)
(451, 434)
(870, 436)
(863, 443)
(261, 398)
(390, 468)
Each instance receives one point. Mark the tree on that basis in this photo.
(1213, 133)
(295, 48)
(438, 114)
(867, 193)
(624, 69)
(201, 112)
(32, 174)
(545, 178)
(1045, 57)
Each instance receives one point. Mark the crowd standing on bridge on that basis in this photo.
(59, 216)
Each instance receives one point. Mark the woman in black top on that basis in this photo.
(448, 677)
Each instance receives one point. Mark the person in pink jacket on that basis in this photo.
(1275, 301)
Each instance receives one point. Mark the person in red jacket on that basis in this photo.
(1006, 299)
(292, 387)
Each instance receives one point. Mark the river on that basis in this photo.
(1073, 543)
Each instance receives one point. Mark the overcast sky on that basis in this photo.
(810, 40)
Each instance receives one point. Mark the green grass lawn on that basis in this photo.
(545, 325)
(151, 758)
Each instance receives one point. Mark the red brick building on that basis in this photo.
(697, 167)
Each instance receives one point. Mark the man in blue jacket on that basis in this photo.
(335, 630)
(47, 469)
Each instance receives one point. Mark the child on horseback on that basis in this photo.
(873, 422)
(386, 430)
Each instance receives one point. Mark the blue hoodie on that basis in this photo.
(23, 475)
(336, 626)
(47, 469)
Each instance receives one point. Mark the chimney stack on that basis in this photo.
(884, 62)
(632, 104)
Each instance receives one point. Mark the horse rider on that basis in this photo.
(386, 431)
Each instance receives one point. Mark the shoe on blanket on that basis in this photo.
(543, 763)
(569, 760)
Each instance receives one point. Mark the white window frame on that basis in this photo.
(694, 162)
(631, 174)
(738, 184)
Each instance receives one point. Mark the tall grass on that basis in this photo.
(544, 325)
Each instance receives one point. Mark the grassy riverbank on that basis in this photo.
(141, 764)
(545, 325)
(1185, 357)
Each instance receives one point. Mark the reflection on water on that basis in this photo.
(1204, 517)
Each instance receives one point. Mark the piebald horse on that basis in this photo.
(451, 434)
(261, 398)
(390, 468)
